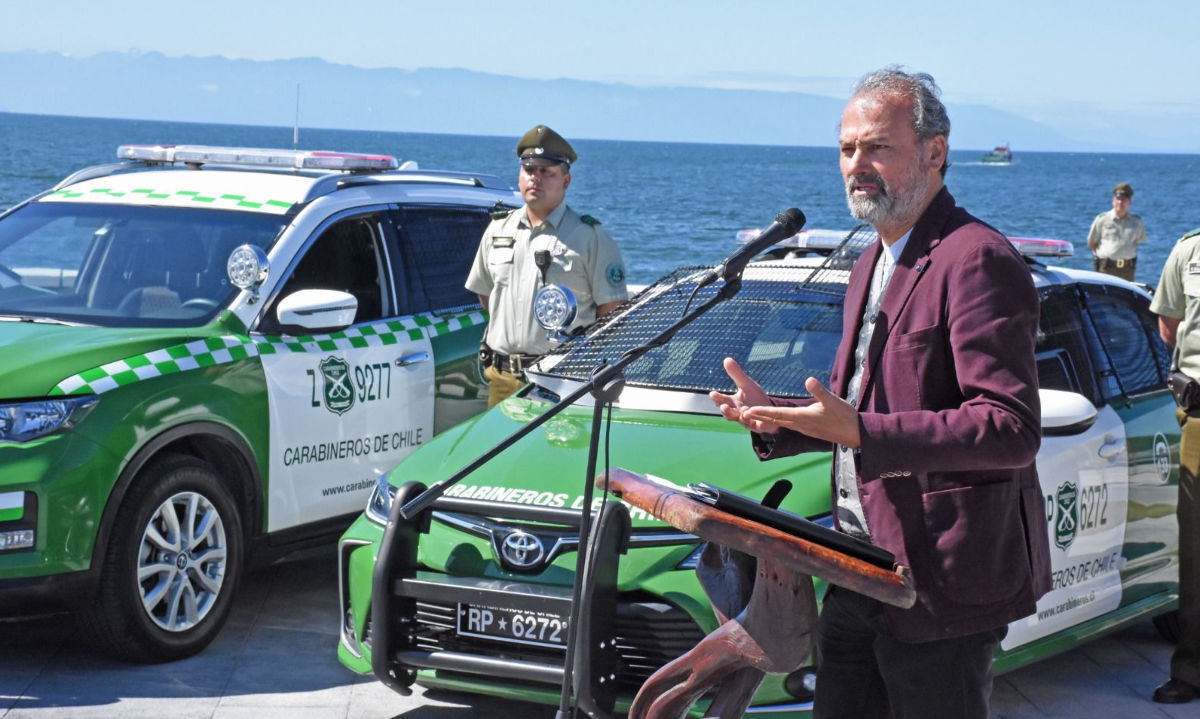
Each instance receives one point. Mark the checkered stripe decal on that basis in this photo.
(149, 195)
(214, 351)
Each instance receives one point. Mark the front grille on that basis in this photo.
(648, 634)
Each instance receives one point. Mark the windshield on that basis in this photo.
(782, 327)
(120, 265)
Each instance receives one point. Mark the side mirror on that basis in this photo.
(317, 310)
(1066, 412)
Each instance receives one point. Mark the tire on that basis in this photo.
(165, 590)
(1168, 626)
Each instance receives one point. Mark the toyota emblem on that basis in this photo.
(521, 550)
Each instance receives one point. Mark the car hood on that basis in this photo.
(547, 467)
(37, 356)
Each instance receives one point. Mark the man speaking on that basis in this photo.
(933, 416)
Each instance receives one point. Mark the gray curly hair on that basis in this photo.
(929, 114)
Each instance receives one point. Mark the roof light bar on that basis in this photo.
(257, 156)
(831, 239)
(804, 239)
(1042, 247)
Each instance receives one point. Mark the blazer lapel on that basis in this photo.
(911, 267)
(899, 292)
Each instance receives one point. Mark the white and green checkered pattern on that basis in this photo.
(215, 351)
(140, 195)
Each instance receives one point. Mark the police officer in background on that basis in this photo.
(1177, 304)
(1115, 236)
(574, 251)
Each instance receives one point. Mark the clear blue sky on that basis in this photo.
(1045, 59)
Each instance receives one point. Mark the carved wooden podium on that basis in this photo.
(759, 580)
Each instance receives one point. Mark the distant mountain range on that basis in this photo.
(153, 86)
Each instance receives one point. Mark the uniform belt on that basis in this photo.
(513, 364)
(1104, 263)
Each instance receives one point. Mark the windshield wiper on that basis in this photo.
(41, 320)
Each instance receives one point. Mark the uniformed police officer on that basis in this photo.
(576, 252)
(1177, 304)
(1115, 236)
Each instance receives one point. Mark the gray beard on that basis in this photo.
(888, 208)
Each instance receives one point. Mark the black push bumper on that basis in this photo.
(400, 592)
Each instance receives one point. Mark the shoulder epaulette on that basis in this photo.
(588, 220)
(1193, 233)
(499, 213)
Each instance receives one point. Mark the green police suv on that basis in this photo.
(210, 356)
(474, 593)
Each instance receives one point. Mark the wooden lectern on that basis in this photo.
(759, 580)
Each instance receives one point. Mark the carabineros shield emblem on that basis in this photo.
(339, 389)
(1066, 514)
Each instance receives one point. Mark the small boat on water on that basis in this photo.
(1000, 155)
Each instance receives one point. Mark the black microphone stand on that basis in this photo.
(605, 385)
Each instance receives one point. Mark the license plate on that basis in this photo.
(543, 629)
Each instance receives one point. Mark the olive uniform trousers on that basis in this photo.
(1185, 662)
(501, 385)
(1109, 267)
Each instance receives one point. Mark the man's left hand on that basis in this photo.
(831, 418)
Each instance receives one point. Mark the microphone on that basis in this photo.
(786, 224)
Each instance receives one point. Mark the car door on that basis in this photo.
(1132, 363)
(1084, 474)
(348, 405)
(433, 247)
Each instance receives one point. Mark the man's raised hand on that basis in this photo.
(830, 417)
(748, 394)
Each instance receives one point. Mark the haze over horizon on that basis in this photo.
(1062, 74)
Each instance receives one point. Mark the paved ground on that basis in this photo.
(276, 658)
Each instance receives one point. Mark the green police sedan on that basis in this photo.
(474, 593)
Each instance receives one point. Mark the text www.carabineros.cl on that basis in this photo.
(1071, 603)
(347, 487)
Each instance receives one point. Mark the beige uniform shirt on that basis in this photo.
(584, 258)
(1116, 238)
(1178, 296)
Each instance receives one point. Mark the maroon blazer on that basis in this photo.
(950, 425)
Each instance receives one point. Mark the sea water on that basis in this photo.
(671, 204)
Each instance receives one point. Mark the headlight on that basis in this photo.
(379, 505)
(24, 421)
